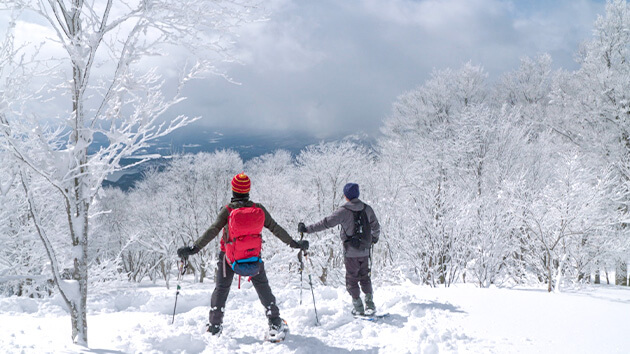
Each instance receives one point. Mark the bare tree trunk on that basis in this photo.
(621, 274)
(79, 232)
(324, 276)
(202, 272)
(549, 273)
(597, 276)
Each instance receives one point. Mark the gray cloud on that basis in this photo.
(332, 67)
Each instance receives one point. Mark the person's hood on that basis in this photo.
(355, 204)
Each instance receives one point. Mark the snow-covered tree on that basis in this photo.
(563, 218)
(105, 72)
(423, 134)
(602, 106)
(494, 151)
(324, 169)
(22, 256)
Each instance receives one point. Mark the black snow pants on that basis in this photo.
(224, 277)
(358, 273)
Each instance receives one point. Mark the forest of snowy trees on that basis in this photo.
(520, 180)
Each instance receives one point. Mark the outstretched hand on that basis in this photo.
(184, 252)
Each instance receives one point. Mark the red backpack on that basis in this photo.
(243, 246)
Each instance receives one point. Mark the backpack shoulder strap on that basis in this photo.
(225, 235)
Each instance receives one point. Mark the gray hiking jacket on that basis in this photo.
(344, 218)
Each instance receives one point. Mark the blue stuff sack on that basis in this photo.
(247, 267)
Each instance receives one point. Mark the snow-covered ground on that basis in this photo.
(463, 319)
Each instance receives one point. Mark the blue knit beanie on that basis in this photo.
(351, 191)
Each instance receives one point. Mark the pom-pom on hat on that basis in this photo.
(241, 183)
(351, 190)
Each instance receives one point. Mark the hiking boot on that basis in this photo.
(215, 330)
(278, 329)
(275, 322)
(370, 308)
(357, 305)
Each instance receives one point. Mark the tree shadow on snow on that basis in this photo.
(247, 340)
(392, 319)
(612, 293)
(433, 305)
(102, 351)
(531, 290)
(305, 345)
(587, 292)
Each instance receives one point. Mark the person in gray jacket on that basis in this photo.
(357, 259)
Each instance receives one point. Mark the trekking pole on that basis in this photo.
(301, 266)
(310, 282)
(370, 262)
(181, 270)
(315, 307)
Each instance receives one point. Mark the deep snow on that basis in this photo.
(462, 318)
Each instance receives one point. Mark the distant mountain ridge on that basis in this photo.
(192, 140)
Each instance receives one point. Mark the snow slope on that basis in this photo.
(462, 319)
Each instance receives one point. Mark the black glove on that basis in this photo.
(374, 240)
(302, 227)
(303, 245)
(184, 252)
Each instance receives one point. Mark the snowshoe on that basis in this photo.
(278, 329)
(373, 318)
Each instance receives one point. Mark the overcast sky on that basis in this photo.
(334, 67)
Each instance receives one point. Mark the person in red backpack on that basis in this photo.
(240, 254)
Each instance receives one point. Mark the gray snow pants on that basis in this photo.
(222, 290)
(358, 273)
